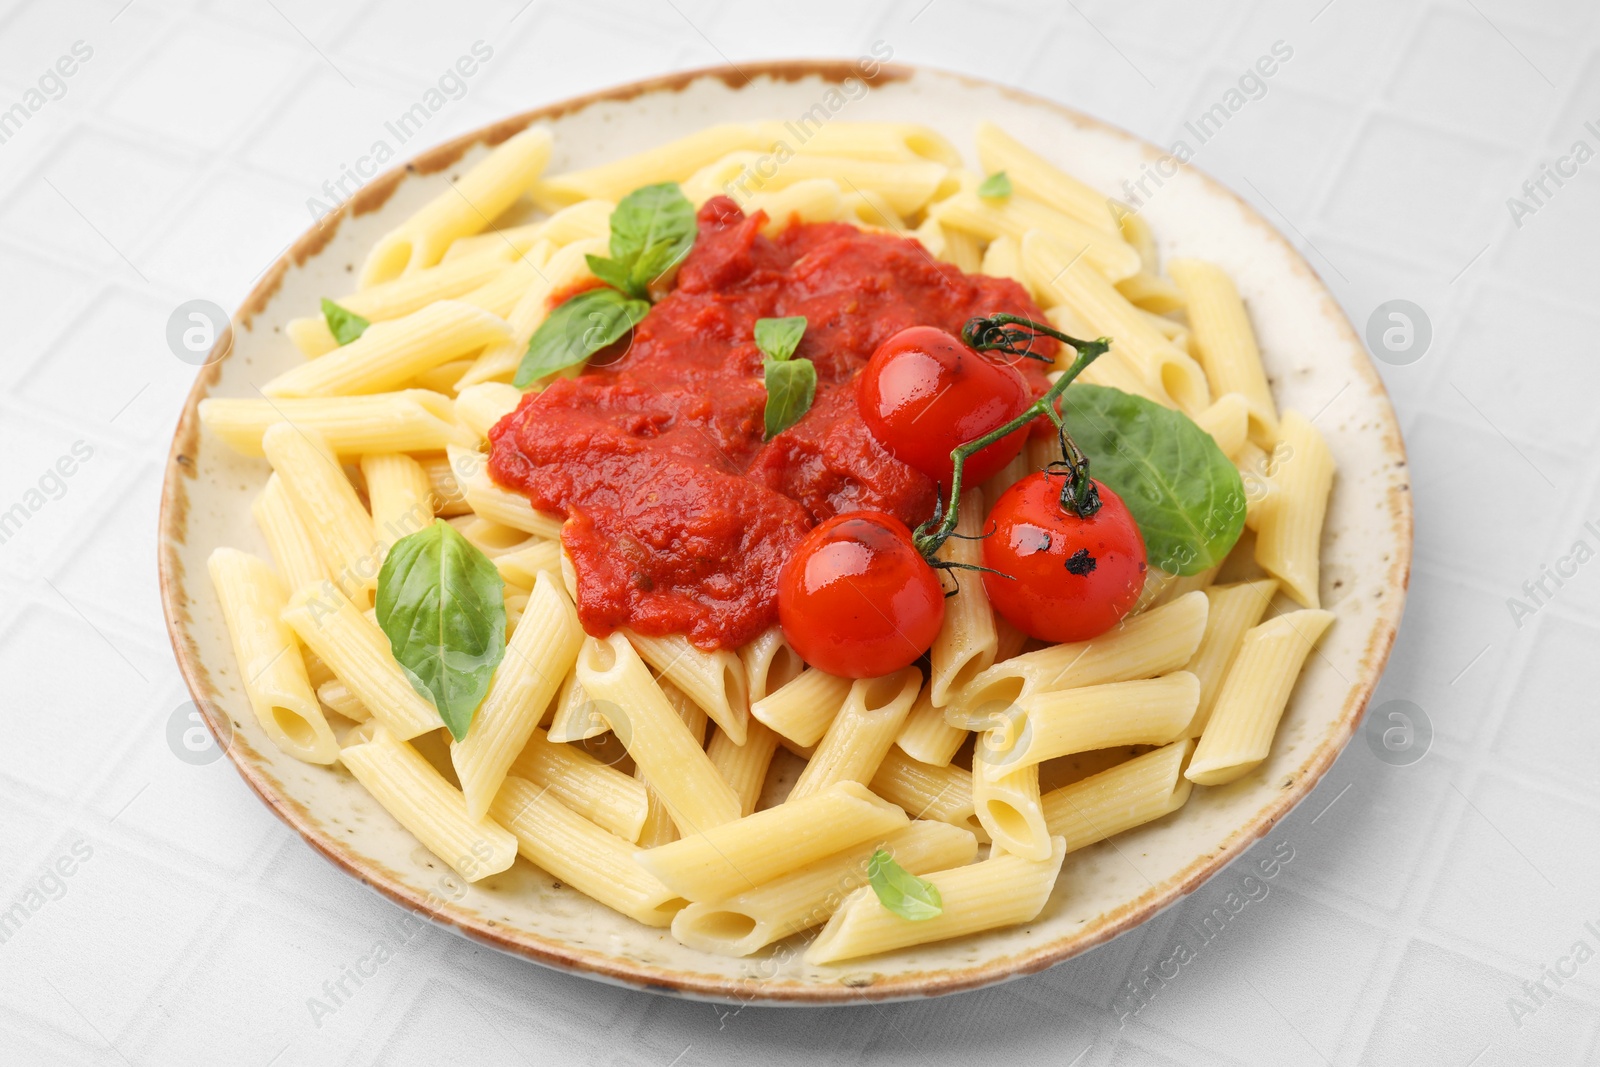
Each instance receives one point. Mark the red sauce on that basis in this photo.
(679, 515)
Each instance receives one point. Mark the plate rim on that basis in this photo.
(173, 524)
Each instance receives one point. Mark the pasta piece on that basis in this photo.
(586, 218)
(801, 711)
(616, 679)
(861, 734)
(327, 505)
(1114, 368)
(1239, 736)
(491, 538)
(592, 860)
(658, 827)
(1009, 808)
(359, 654)
(713, 680)
(419, 798)
(537, 658)
(966, 642)
(906, 186)
(869, 210)
(480, 406)
(1000, 891)
(271, 671)
(1067, 279)
(813, 200)
(1226, 343)
(336, 696)
(769, 663)
(1227, 420)
(567, 269)
(447, 498)
(926, 736)
(445, 377)
(400, 494)
(886, 141)
(414, 420)
(391, 354)
(1290, 531)
(521, 566)
(1151, 711)
(293, 549)
(1130, 794)
(744, 767)
(1153, 293)
(1003, 259)
(1031, 175)
(501, 293)
(806, 896)
(1261, 491)
(1141, 646)
(1107, 253)
(602, 794)
(491, 501)
(1136, 231)
(928, 792)
(1234, 610)
(469, 206)
(740, 855)
(674, 161)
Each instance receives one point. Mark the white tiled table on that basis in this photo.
(1420, 899)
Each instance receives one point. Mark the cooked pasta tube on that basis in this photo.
(1225, 342)
(1141, 646)
(616, 679)
(327, 505)
(1151, 292)
(419, 798)
(744, 767)
(540, 653)
(1234, 610)
(576, 717)
(1031, 175)
(1013, 217)
(861, 734)
(358, 653)
(1008, 807)
(926, 736)
(907, 186)
(1000, 891)
(469, 206)
(587, 857)
(967, 639)
(769, 663)
(1130, 794)
(492, 501)
(1003, 259)
(928, 792)
(586, 218)
(522, 566)
(713, 680)
(806, 896)
(1239, 736)
(493, 539)
(447, 498)
(567, 268)
(1261, 491)
(337, 697)
(600, 793)
(1151, 711)
(400, 495)
(271, 671)
(673, 161)
(293, 549)
(813, 200)
(480, 406)
(801, 710)
(1227, 420)
(1290, 531)
(413, 420)
(1072, 281)
(391, 354)
(886, 141)
(745, 853)
(1137, 232)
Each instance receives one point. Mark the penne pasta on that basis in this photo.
(489, 500)
(802, 710)
(414, 420)
(400, 494)
(744, 767)
(861, 734)
(1130, 794)
(566, 269)
(584, 219)
(294, 551)
(1032, 176)
(1289, 533)
(1225, 342)
(928, 792)
(769, 663)
(713, 680)
(1151, 711)
(1015, 216)
(926, 736)
(327, 505)
(967, 639)
(1234, 610)
(1227, 420)
(522, 566)
(1008, 806)
(610, 799)
(337, 697)
(480, 406)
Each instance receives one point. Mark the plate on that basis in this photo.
(1315, 361)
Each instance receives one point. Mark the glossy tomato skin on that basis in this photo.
(856, 600)
(924, 392)
(1071, 578)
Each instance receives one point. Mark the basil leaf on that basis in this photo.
(996, 186)
(1184, 493)
(651, 230)
(442, 604)
(575, 330)
(778, 338)
(791, 387)
(344, 324)
(901, 891)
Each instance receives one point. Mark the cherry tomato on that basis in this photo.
(924, 392)
(1071, 578)
(856, 599)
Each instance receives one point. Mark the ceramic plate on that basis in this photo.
(1316, 364)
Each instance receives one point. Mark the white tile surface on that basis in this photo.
(178, 161)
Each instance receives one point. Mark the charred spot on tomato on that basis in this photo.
(1081, 563)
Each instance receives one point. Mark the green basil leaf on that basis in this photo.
(442, 604)
(1184, 493)
(996, 186)
(344, 324)
(901, 891)
(791, 387)
(651, 230)
(778, 338)
(611, 272)
(575, 330)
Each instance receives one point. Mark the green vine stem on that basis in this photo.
(1004, 333)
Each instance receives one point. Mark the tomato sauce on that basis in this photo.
(678, 514)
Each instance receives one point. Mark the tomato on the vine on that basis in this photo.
(856, 599)
(1070, 578)
(924, 392)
